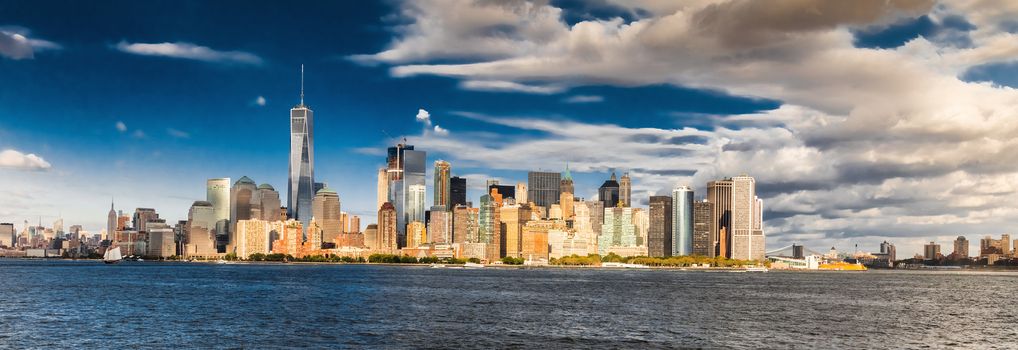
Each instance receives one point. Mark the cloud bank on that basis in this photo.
(12, 159)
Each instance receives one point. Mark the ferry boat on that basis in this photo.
(437, 266)
(471, 265)
(842, 266)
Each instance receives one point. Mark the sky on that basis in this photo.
(861, 121)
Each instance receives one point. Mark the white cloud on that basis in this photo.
(441, 131)
(189, 51)
(13, 159)
(864, 136)
(121, 127)
(583, 99)
(177, 133)
(16, 44)
(424, 117)
(138, 134)
(260, 101)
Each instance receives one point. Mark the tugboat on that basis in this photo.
(112, 255)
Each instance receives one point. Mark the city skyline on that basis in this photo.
(170, 107)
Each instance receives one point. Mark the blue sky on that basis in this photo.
(143, 101)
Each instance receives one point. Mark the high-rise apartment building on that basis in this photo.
(703, 243)
(719, 193)
(440, 225)
(458, 191)
(464, 224)
(511, 221)
(659, 235)
(254, 236)
(383, 187)
(300, 189)
(608, 193)
(682, 220)
(626, 190)
(747, 235)
(325, 210)
(961, 247)
(443, 184)
(931, 251)
(543, 188)
(387, 234)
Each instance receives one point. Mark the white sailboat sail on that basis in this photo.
(112, 254)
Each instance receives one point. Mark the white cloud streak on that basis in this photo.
(189, 51)
(12, 159)
(16, 44)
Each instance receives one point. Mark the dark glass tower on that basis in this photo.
(458, 190)
(608, 194)
(300, 189)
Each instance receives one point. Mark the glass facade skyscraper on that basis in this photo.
(682, 221)
(544, 188)
(406, 168)
(300, 189)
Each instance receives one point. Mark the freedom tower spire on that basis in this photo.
(300, 187)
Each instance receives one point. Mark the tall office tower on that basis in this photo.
(703, 244)
(371, 239)
(160, 240)
(111, 223)
(443, 184)
(626, 190)
(387, 233)
(659, 236)
(355, 224)
(522, 195)
(1005, 244)
(641, 220)
(565, 201)
(566, 184)
(406, 168)
(416, 234)
(682, 221)
(931, 251)
(201, 224)
(747, 235)
(383, 187)
(8, 238)
(415, 209)
(511, 221)
(440, 225)
(534, 239)
(269, 201)
(464, 224)
(617, 231)
(457, 191)
(217, 192)
(300, 189)
(487, 220)
(242, 202)
(961, 247)
(141, 218)
(719, 193)
(344, 221)
(544, 187)
(504, 191)
(608, 194)
(889, 250)
(325, 209)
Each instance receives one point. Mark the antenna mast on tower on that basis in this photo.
(302, 84)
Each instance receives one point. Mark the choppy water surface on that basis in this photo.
(66, 304)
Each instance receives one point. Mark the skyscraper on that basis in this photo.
(511, 221)
(218, 194)
(301, 185)
(659, 235)
(142, 216)
(387, 234)
(406, 168)
(269, 201)
(522, 196)
(415, 208)
(544, 187)
(566, 184)
(201, 223)
(618, 233)
(464, 224)
(7, 236)
(487, 220)
(747, 235)
(326, 211)
(383, 187)
(458, 191)
(111, 223)
(506, 191)
(961, 247)
(626, 190)
(931, 251)
(719, 193)
(242, 202)
(440, 225)
(443, 184)
(608, 193)
(682, 221)
(703, 241)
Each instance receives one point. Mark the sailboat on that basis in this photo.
(112, 255)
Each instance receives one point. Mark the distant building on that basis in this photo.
(506, 191)
(111, 223)
(457, 191)
(487, 221)
(415, 205)
(682, 221)
(617, 231)
(961, 247)
(608, 193)
(522, 196)
(371, 239)
(300, 187)
(383, 188)
(747, 235)
(141, 218)
(255, 236)
(931, 251)
(406, 178)
(543, 188)
(703, 240)
(464, 224)
(566, 184)
(325, 209)
(626, 190)
(387, 234)
(1001, 246)
(511, 221)
(201, 224)
(160, 241)
(218, 194)
(443, 184)
(269, 201)
(354, 225)
(417, 234)
(534, 239)
(8, 238)
(440, 225)
(719, 193)
(242, 203)
(659, 235)
(567, 203)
